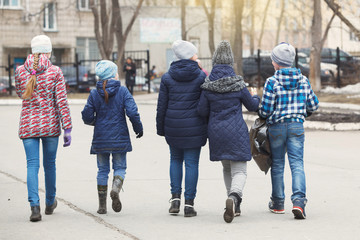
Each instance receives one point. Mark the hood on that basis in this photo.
(112, 87)
(221, 71)
(43, 65)
(288, 77)
(224, 85)
(184, 70)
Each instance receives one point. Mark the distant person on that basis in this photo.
(130, 74)
(200, 66)
(153, 72)
(45, 109)
(177, 119)
(287, 100)
(221, 102)
(105, 110)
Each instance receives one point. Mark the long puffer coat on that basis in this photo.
(177, 118)
(222, 99)
(111, 134)
(42, 114)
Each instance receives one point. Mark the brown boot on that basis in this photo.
(35, 214)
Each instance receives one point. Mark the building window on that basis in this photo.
(10, 4)
(50, 17)
(353, 37)
(87, 48)
(83, 5)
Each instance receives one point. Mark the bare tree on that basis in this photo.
(327, 30)
(315, 53)
(238, 43)
(282, 11)
(263, 23)
(104, 34)
(120, 33)
(183, 19)
(210, 14)
(336, 9)
(252, 27)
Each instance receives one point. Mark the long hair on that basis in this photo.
(105, 92)
(31, 84)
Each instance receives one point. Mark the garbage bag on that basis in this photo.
(260, 145)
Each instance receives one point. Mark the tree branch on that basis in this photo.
(327, 31)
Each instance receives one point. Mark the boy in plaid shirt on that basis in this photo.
(287, 100)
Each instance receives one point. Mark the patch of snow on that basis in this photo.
(349, 89)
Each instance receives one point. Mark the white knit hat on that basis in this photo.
(41, 44)
(184, 49)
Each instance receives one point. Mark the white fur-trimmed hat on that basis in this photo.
(41, 44)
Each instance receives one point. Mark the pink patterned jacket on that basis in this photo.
(42, 113)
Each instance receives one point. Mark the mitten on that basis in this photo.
(140, 134)
(67, 137)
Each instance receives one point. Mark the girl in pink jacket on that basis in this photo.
(41, 85)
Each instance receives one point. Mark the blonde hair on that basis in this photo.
(105, 92)
(31, 84)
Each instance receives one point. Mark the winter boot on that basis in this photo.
(175, 204)
(114, 194)
(189, 210)
(102, 192)
(232, 207)
(50, 209)
(35, 214)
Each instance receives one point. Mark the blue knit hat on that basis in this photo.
(283, 54)
(106, 69)
(41, 44)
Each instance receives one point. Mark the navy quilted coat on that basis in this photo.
(222, 99)
(177, 118)
(111, 134)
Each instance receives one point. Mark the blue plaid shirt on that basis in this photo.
(287, 97)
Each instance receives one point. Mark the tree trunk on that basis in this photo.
(211, 23)
(183, 19)
(238, 43)
(280, 20)
(336, 9)
(252, 29)
(315, 53)
(263, 23)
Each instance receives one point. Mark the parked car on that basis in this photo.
(250, 70)
(87, 80)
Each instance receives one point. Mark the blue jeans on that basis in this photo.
(103, 163)
(287, 137)
(191, 159)
(49, 146)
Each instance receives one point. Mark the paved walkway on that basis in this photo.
(333, 180)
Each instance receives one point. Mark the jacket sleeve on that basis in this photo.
(162, 106)
(250, 102)
(203, 107)
(89, 113)
(131, 111)
(61, 101)
(312, 103)
(267, 105)
(18, 89)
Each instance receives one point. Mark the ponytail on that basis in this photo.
(105, 92)
(31, 84)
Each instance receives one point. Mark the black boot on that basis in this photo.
(189, 210)
(232, 207)
(114, 194)
(50, 209)
(102, 192)
(175, 204)
(35, 214)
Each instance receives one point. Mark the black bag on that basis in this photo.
(260, 145)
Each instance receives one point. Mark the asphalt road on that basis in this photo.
(333, 187)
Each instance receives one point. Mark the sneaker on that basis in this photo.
(299, 209)
(276, 207)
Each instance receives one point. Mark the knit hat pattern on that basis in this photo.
(41, 44)
(283, 54)
(223, 54)
(106, 69)
(184, 49)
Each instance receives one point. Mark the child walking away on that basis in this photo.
(225, 93)
(105, 110)
(287, 100)
(41, 86)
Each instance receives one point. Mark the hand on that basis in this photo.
(67, 137)
(253, 91)
(140, 134)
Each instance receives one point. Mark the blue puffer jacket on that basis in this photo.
(177, 118)
(111, 134)
(221, 101)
